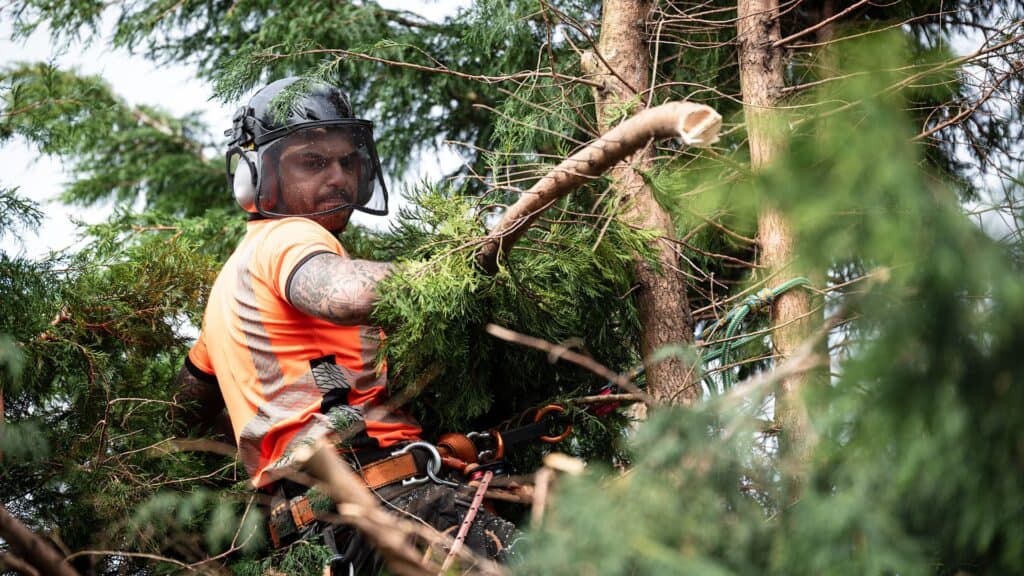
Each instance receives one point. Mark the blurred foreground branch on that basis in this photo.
(32, 548)
(389, 535)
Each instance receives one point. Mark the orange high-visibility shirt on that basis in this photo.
(284, 374)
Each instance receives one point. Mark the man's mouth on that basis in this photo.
(333, 200)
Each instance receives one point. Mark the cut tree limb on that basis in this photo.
(695, 124)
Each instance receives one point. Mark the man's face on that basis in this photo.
(320, 170)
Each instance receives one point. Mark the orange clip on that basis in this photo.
(548, 410)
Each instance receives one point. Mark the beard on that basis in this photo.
(335, 222)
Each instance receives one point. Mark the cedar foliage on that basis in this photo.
(917, 446)
(916, 466)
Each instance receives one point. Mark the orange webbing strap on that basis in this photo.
(289, 517)
(389, 470)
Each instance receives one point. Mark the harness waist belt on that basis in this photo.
(389, 470)
(289, 516)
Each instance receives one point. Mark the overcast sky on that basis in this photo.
(174, 89)
(138, 81)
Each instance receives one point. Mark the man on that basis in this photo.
(285, 343)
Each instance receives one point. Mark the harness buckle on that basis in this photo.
(433, 465)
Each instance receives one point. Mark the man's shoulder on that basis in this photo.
(274, 249)
(289, 223)
(290, 231)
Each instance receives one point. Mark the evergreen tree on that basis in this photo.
(912, 445)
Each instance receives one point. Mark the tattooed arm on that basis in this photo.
(337, 289)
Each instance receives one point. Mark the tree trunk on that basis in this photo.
(761, 82)
(624, 67)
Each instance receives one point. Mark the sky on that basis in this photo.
(175, 89)
(138, 81)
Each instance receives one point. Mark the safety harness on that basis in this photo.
(473, 458)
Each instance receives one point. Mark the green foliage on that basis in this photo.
(16, 212)
(119, 152)
(86, 435)
(439, 303)
(239, 46)
(915, 466)
(176, 518)
(916, 443)
(304, 558)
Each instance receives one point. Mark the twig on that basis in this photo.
(341, 54)
(605, 399)
(156, 557)
(972, 109)
(359, 508)
(541, 485)
(344, 487)
(199, 445)
(558, 352)
(821, 24)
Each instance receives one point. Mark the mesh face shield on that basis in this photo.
(319, 169)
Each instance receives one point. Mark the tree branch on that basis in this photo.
(359, 508)
(555, 352)
(821, 24)
(695, 124)
(32, 548)
(12, 562)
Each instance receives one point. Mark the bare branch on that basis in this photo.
(557, 352)
(12, 562)
(821, 24)
(358, 507)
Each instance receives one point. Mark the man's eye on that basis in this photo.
(347, 162)
(314, 161)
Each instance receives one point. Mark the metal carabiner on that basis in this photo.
(433, 465)
(432, 474)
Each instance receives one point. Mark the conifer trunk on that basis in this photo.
(624, 67)
(761, 82)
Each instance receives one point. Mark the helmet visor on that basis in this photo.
(320, 170)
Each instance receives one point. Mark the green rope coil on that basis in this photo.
(752, 304)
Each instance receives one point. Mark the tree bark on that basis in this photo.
(624, 67)
(761, 82)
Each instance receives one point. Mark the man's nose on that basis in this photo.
(336, 174)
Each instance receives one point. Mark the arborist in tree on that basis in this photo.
(285, 344)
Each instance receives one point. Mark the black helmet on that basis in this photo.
(300, 152)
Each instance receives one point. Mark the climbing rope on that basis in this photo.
(733, 320)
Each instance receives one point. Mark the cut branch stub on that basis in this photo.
(695, 124)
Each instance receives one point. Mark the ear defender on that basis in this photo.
(245, 180)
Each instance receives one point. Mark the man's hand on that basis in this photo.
(337, 289)
(198, 408)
